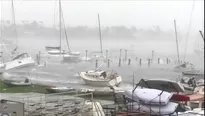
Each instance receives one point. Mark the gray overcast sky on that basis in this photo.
(142, 14)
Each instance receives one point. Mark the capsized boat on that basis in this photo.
(20, 61)
(101, 78)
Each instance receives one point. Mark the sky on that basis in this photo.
(139, 13)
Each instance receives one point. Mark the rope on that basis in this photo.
(190, 22)
(65, 30)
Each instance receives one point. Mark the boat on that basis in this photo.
(185, 67)
(101, 78)
(59, 89)
(23, 60)
(162, 84)
(18, 60)
(18, 83)
(149, 96)
(53, 50)
(190, 83)
(199, 73)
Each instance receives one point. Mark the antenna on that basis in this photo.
(176, 41)
(100, 33)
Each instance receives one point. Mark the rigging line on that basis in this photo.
(187, 36)
(54, 14)
(14, 22)
(60, 22)
(65, 30)
(175, 27)
(202, 16)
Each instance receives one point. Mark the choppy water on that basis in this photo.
(59, 74)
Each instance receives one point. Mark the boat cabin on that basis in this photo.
(96, 74)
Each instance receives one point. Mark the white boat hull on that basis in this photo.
(102, 83)
(20, 63)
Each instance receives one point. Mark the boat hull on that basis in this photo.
(101, 83)
(19, 63)
(12, 84)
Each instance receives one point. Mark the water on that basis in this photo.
(66, 74)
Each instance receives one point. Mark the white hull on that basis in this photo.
(149, 96)
(56, 52)
(100, 82)
(19, 63)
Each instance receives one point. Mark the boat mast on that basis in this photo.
(60, 23)
(100, 33)
(201, 34)
(65, 31)
(14, 22)
(176, 41)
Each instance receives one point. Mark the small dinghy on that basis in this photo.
(59, 89)
(17, 83)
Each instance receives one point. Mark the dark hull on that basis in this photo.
(50, 90)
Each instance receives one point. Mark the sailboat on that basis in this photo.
(101, 78)
(97, 55)
(57, 50)
(186, 66)
(18, 60)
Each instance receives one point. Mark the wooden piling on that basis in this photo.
(106, 55)
(125, 55)
(158, 60)
(119, 63)
(96, 63)
(167, 60)
(140, 61)
(129, 61)
(149, 61)
(108, 63)
(120, 53)
(86, 55)
(39, 56)
(37, 59)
